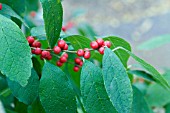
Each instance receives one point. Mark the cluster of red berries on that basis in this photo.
(62, 48)
(58, 49)
(0, 6)
(36, 48)
(99, 45)
(84, 53)
(78, 63)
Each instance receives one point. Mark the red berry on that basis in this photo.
(61, 43)
(66, 55)
(33, 14)
(63, 59)
(107, 43)
(36, 44)
(77, 60)
(58, 63)
(64, 28)
(100, 41)
(87, 55)
(80, 52)
(94, 45)
(49, 57)
(101, 50)
(81, 63)
(76, 69)
(0, 6)
(45, 54)
(30, 39)
(65, 47)
(38, 51)
(33, 51)
(57, 50)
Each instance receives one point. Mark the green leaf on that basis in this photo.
(167, 108)
(53, 16)
(79, 42)
(141, 86)
(119, 42)
(32, 5)
(142, 74)
(3, 83)
(38, 65)
(36, 107)
(20, 107)
(155, 74)
(17, 5)
(116, 82)
(157, 96)
(15, 58)
(7, 10)
(155, 42)
(56, 93)
(9, 111)
(86, 30)
(139, 103)
(95, 98)
(28, 93)
(5, 93)
(39, 32)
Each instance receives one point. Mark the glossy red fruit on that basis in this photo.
(77, 60)
(58, 63)
(94, 45)
(81, 63)
(33, 14)
(66, 55)
(33, 51)
(30, 39)
(63, 59)
(49, 57)
(101, 50)
(87, 55)
(38, 51)
(0, 6)
(65, 47)
(100, 41)
(107, 43)
(64, 28)
(57, 50)
(80, 52)
(76, 69)
(45, 54)
(61, 43)
(36, 44)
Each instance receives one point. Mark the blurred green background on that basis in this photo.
(134, 20)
